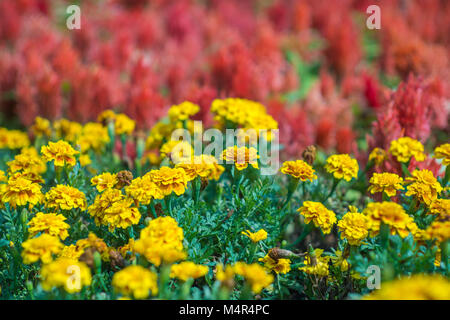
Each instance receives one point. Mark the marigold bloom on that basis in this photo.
(279, 266)
(104, 181)
(177, 151)
(112, 209)
(423, 185)
(299, 169)
(67, 130)
(135, 281)
(255, 275)
(393, 215)
(316, 264)
(50, 223)
(161, 240)
(13, 139)
(386, 182)
(342, 166)
(439, 230)
(143, 190)
(205, 167)
(92, 241)
(187, 269)
(27, 161)
(241, 157)
(318, 214)
(64, 197)
(415, 287)
(354, 227)
(21, 191)
(224, 274)
(41, 127)
(441, 208)
(169, 180)
(123, 124)
(378, 156)
(41, 248)
(3, 177)
(257, 236)
(94, 136)
(85, 160)
(443, 152)
(60, 152)
(404, 148)
(183, 111)
(60, 274)
(106, 115)
(71, 252)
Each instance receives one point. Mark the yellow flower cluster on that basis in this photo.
(423, 185)
(298, 169)
(143, 190)
(405, 148)
(177, 151)
(41, 127)
(378, 156)
(92, 241)
(244, 113)
(443, 152)
(41, 248)
(386, 182)
(318, 214)
(241, 157)
(439, 230)
(186, 270)
(161, 241)
(50, 223)
(206, 167)
(441, 208)
(353, 227)
(135, 281)
(67, 130)
(183, 111)
(27, 161)
(13, 139)
(104, 181)
(60, 152)
(316, 264)
(20, 191)
(255, 275)
(342, 166)
(391, 214)
(257, 236)
(415, 287)
(169, 180)
(113, 209)
(64, 197)
(93, 136)
(65, 273)
(281, 265)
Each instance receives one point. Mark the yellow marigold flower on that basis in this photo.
(354, 227)
(187, 269)
(13, 139)
(339, 261)
(182, 111)
(107, 115)
(50, 223)
(129, 247)
(143, 190)
(378, 156)
(65, 273)
(439, 230)
(32, 176)
(415, 287)
(3, 177)
(60, 152)
(177, 151)
(342, 166)
(257, 236)
(316, 264)
(299, 169)
(27, 161)
(443, 152)
(404, 148)
(241, 157)
(42, 247)
(423, 185)
(94, 136)
(386, 182)
(104, 181)
(112, 209)
(169, 180)
(65, 198)
(21, 191)
(41, 127)
(279, 266)
(441, 208)
(393, 215)
(158, 133)
(161, 240)
(123, 124)
(205, 167)
(92, 241)
(318, 214)
(256, 276)
(67, 130)
(71, 252)
(224, 274)
(135, 281)
(85, 160)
